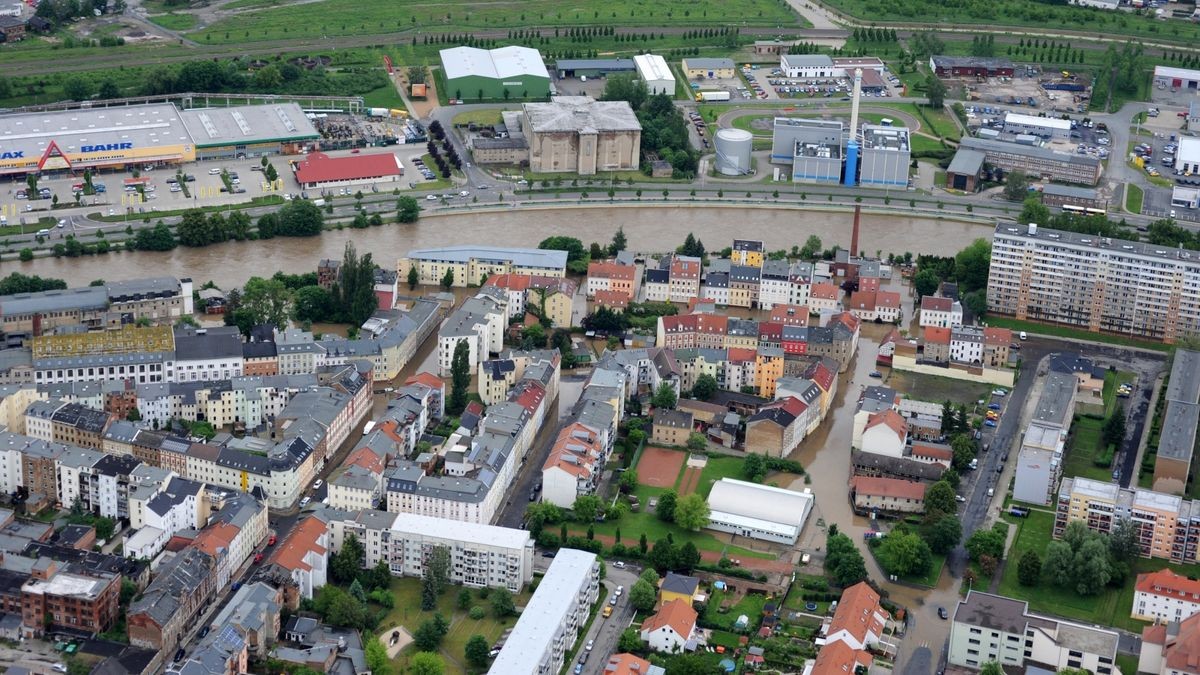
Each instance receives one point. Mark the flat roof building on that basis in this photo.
(884, 157)
(1049, 164)
(503, 73)
(806, 66)
(471, 263)
(1042, 127)
(251, 130)
(697, 68)
(1177, 439)
(592, 67)
(1095, 283)
(1176, 78)
(965, 170)
(553, 618)
(970, 66)
(654, 71)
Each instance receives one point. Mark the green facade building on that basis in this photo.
(480, 74)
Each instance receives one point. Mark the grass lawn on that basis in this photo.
(937, 389)
(1109, 608)
(480, 117)
(922, 143)
(407, 613)
(634, 525)
(174, 21)
(746, 122)
(1112, 380)
(751, 605)
(333, 18)
(384, 97)
(1134, 196)
(1053, 330)
(718, 467)
(1085, 445)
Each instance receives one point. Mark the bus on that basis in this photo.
(1083, 211)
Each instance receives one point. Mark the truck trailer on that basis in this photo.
(705, 96)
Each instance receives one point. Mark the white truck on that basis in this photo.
(705, 96)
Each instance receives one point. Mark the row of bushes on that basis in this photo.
(1104, 459)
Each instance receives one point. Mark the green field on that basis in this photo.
(407, 613)
(1019, 13)
(331, 18)
(1033, 327)
(1084, 446)
(1134, 197)
(175, 21)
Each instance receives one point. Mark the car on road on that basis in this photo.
(959, 498)
(431, 198)
(993, 406)
(607, 611)
(304, 502)
(590, 644)
(943, 614)
(62, 223)
(258, 557)
(620, 590)
(59, 667)
(271, 540)
(619, 565)
(317, 484)
(204, 631)
(179, 654)
(999, 392)
(612, 600)
(578, 668)
(876, 374)
(463, 193)
(547, 554)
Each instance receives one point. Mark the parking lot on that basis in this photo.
(1024, 92)
(205, 190)
(1086, 138)
(770, 83)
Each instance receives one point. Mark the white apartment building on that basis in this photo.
(553, 618)
(356, 488)
(775, 285)
(966, 345)
(11, 466)
(203, 354)
(990, 627)
(657, 285)
(1145, 290)
(1164, 596)
(940, 312)
(303, 555)
(480, 322)
(481, 556)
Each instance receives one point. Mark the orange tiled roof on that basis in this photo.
(298, 543)
(677, 614)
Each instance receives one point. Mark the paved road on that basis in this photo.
(606, 632)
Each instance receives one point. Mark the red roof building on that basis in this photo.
(320, 170)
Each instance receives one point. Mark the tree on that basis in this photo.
(1029, 569)
(691, 246)
(357, 592)
(630, 640)
(460, 378)
(940, 498)
(1033, 211)
(963, 447)
(696, 441)
(687, 558)
(987, 542)
(991, 668)
(426, 663)
(618, 241)
(571, 245)
(704, 388)
(108, 89)
(1113, 432)
(935, 91)
(268, 301)
(586, 508)
(1092, 566)
(971, 265)
(843, 562)
(625, 87)
(1058, 566)
(354, 289)
(376, 655)
(413, 279)
(77, 88)
(642, 596)
(347, 562)
(1123, 542)
(812, 246)
(312, 304)
(904, 553)
(533, 337)
(943, 534)
(437, 569)
(408, 210)
(300, 218)
(926, 282)
(666, 506)
(1016, 186)
(754, 467)
(502, 603)
(477, 650)
(691, 512)
(448, 278)
(664, 397)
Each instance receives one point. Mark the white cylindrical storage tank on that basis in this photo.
(733, 151)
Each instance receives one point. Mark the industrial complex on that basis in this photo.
(507, 72)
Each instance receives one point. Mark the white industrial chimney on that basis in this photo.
(854, 102)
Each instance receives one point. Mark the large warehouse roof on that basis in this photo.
(494, 64)
(243, 124)
(760, 502)
(576, 113)
(70, 130)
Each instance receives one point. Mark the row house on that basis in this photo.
(747, 252)
(611, 278)
(940, 312)
(657, 285)
(810, 394)
(716, 287)
(824, 297)
(692, 331)
(206, 354)
(574, 465)
(645, 369)
(775, 284)
(744, 283)
(778, 427)
(302, 555)
(161, 504)
(877, 306)
(167, 609)
(551, 297)
(685, 274)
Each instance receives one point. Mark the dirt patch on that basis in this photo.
(691, 475)
(395, 640)
(659, 467)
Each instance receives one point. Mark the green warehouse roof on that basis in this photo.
(499, 63)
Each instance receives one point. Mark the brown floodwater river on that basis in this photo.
(648, 228)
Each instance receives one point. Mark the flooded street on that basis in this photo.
(649, 229)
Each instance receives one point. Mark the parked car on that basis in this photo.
(943, 614)
(990, 423)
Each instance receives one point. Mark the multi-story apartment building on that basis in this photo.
(303, 555)
(554, 617)
(1094, 283)
(479, 322)
(1177, 438)
(824, 297)
(940, 312)
(574, 465)
(747, 252)
(168, 607)
(612, 277)
(1167, 526)
(744, 285)
(990, 627)
(203, 354)
(775, 284)
(66, 601)
(684, 277)
(1040, 459)
(470, 264)
(481, 556)
(692, 331)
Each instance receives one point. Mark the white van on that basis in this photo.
(43, 232)
(1024, 336)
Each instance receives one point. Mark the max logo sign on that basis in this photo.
(18, 154)
(105, 147)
